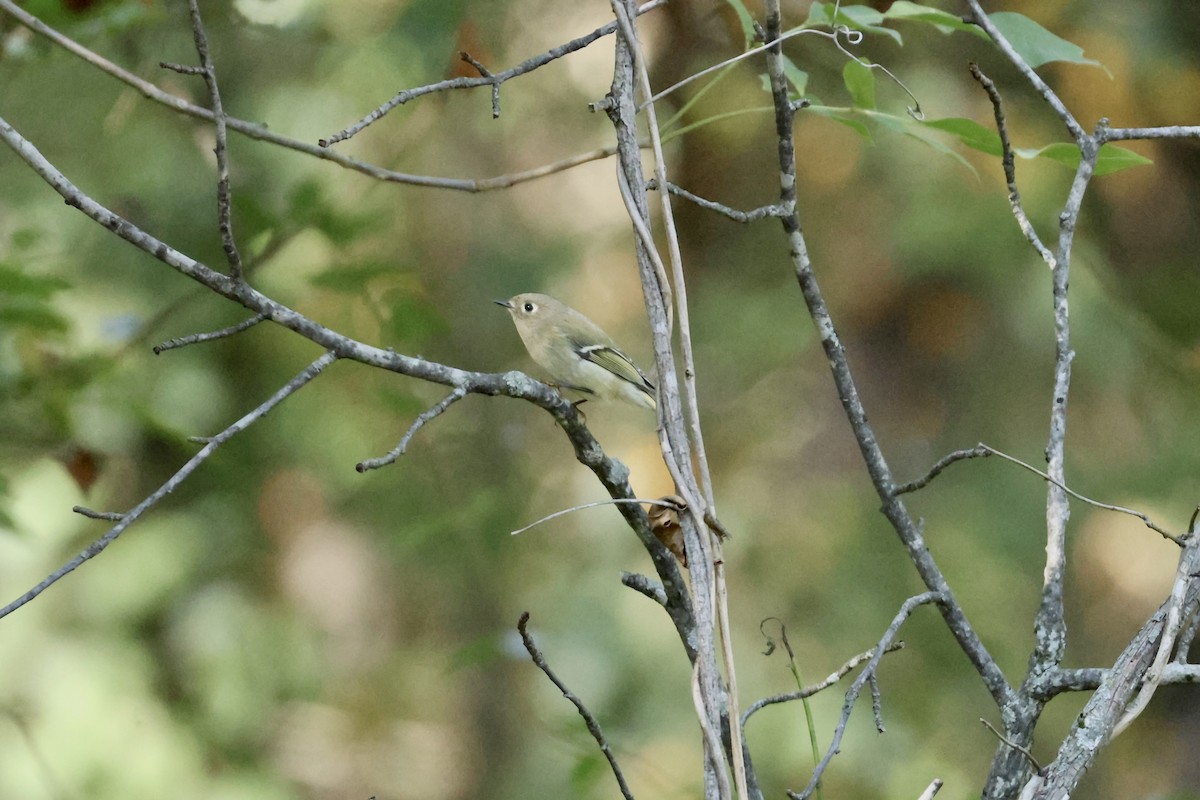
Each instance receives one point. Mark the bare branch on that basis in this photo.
(592, 725)
(95, 548)
(1010, 167)
(754, 215)
(375, 463)
(982, 450)
(494, 81)
(1093, 728)
(1149, 523)
(483, 71)
(1166, 132)
(978, 451)
(1187, 572)
(108, 516)
(224, 197)
(196, 338)
(698, 511)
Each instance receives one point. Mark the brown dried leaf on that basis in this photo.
(664, 522)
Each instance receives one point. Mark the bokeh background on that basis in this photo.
(285, 627)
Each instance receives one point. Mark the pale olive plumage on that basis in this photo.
(576, 352)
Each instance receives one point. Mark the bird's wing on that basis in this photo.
(616, 362)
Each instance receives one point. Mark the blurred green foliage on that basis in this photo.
(283, 626)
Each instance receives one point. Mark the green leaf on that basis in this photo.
(860, 81)
(859, 18)
(1034, 43)
(413, 318)
(354, 279)
(840, 115)
(1111, 158)
(970, 133)
(745, 19)
(36, 317)
(796, 76)
(14, 281)
(942, 20)
(588, 770)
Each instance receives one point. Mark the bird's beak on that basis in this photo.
(506, 303)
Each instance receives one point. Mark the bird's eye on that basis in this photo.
(529, 307)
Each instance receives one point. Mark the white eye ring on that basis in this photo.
(529, 307)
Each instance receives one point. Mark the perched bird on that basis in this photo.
(577, 354)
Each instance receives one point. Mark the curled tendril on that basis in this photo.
(854, 38)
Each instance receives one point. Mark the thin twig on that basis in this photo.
(429, 414)
(221, 150)
(906, 609)
(592, 725)
(753, 215)
(483, 71)
(107, 516)
(978, 451)
(876, 702)
(95, 548)
(196, 338)
(809, 691)
(915, 110)
(1037, 767)
(1149, 523)
(529, 65)
(1010, 169)
(182, 69)
(582, 506)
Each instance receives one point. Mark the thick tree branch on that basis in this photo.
(1102, 714)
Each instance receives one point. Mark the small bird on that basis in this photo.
(577, 354)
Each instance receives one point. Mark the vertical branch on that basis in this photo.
(673, 438)
(224, 196)
(910, 533)
(719, 599)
